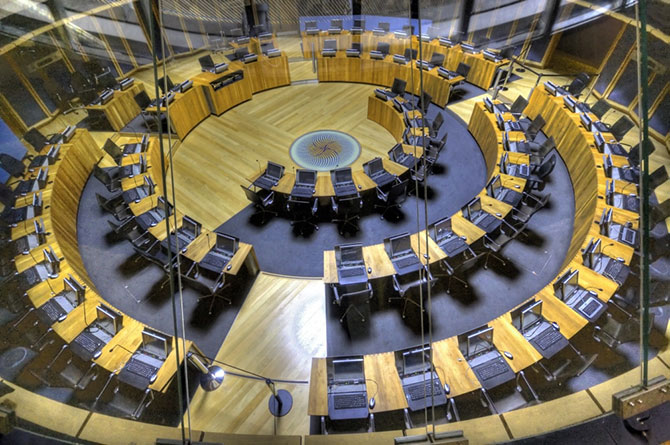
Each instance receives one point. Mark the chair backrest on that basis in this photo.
(535, 126)
(621, 127)
(12, 165)
(330, 44)
(398, 191)
(600, 108)
(383, 47)
(206, 62)
(578, 84)
(463, 69)
(519, 104)
(36, 139)
(356, 294)
(425, 101)
(658, 177)
(161, 84)
(241, 52)
(547, 146)
(113, 150)
(142, 99)
(547, 166)
(411, 53)
(437, 59)
(356, 46)
(399, 86)
(437, 122)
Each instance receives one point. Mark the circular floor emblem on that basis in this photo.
(325, 150)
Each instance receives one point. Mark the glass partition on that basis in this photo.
(301, 218)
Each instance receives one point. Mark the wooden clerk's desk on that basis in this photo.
(122, 108)
(257, 76)
(245, 253)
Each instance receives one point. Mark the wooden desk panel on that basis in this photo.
(128, 339)
(453, 368)
(122, 108)
(169, 369)
(383, 382)
(201, 246)
(268, 73)
(228, 96)
(318, 388)
(186, 110)
(507, 338)
(553, 309)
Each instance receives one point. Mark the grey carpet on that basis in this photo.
(459, 176)
(133, 285)
(532, 263)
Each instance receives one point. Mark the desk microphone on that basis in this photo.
(119, 345)
(259, 164)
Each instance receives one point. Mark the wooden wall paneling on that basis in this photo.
(73, 172)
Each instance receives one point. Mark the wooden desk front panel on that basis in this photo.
(229, 96)
(122, 108)
(484, 129)
(385, 115)
(268, 73)
(576, 153)
(188, 110)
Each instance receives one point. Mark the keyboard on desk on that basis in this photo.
(383, 178)
(589, 307)
(265, 182)
(351, 271)
(349, 401)
(345, 189)
(140, 368)
(491, 368)
(405, 261)
(485, 221)
(452, 245)
(302, 191)
(613, 268)
(53, 310)
(88, 341)
(422, 390)
(215, 261)
(547, 338)
(32, 276)
(628, 236)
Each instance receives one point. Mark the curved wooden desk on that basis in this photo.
(482, 71)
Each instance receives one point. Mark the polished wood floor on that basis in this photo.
(281, 325)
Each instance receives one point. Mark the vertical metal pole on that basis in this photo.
(641, 12)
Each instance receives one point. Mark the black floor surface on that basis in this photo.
(459, 175)
(133, 285)
(532, 263)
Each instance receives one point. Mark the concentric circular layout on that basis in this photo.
(324, 150)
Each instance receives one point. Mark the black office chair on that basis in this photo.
(12, 165)
(262, 200)
(403, 284)
(494, 242)
(391, 199)
(303, 212)
(659, 212)
(352, 296)
(437, 59)
(517, 107)
(206, 62)
(348, 211)
(621, 127)
(127, 401)
(108, 177)
(214, 283)
(538, 175)
(383, 48)
(658, 177)
(398, 88)
(411, 54)
(530, 204)
(161, 84)
(539, 151)
(459, 89)
(578, 84)
(600, 108)
(39, 141)
(143, 101)
(115, 205)
(534, 127)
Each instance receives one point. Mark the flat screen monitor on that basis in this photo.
(400, 244)
(71, 284)
(206, 62)
(155, 343)
(149, 184)
(330, 44)
(359, 23)
(310, 24)
(384, 25)
(493, 186)
(527, 316)
(591, 252)
(600, 141)
(42, 177)
(500, 121)
(559, 284)
(504, 161)
(306, 177)
(342, 175)
(105, 314)
(416, 360)
(348, 369)
(572, 282)
(478, 341)
(190, 226)
(488, 104)
(411, 53)
(143, 163)
(336, 23)
(442, 229)
(397, 151)
(374, 166)
(226, 243)
(52, 154)
(274, 170)
(241, 52)
(349, 254)
(586, 121)
(474, 207)
(52, 262)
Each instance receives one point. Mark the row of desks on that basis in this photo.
(449, 362)
(482, 71)
(129, 337)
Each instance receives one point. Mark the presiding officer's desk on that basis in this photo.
(382, 72)
(263, 74)
(122, 108)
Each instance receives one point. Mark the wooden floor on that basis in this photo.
(281, 325)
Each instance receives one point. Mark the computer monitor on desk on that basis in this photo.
(485, 360)
(52, 262)
(109, 319)
(545, 337)
(206, 62)
(347, 255)
(420, 382)
(347, 392)
(155, 343)
(527, 316)
(226, 244)
(70, 284)
(591, 253)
